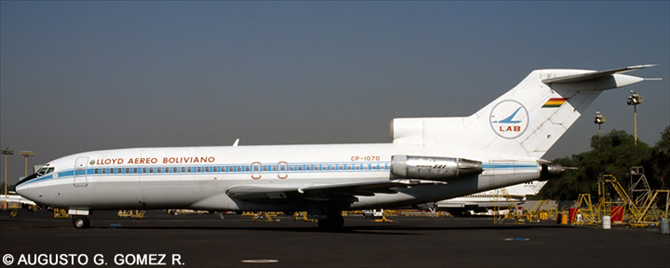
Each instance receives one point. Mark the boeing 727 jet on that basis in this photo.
(430, 159)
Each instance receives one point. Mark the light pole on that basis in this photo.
(600, 119)
(6, 152)
(634, 99)
(27, 154)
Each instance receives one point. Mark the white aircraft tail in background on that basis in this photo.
(430, 159)
(488, 200)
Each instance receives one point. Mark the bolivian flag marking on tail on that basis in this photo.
(554, 103)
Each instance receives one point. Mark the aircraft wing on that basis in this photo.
(259, 193)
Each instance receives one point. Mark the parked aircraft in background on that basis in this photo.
(430, 159)
(14, 199)
(485, 202)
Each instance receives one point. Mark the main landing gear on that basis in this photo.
(332, 222)
(81, 222)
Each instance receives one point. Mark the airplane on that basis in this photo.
(12, 199)
(429, 159)
(484, 202)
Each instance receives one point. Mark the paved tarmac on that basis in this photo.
(236, 241)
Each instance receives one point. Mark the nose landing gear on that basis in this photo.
(81, 222)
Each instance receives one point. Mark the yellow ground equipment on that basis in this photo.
(138, 214)
(302, 215)
(642, 211)
(60, 213)
(259, 215)
(508, 208)
(540, 212)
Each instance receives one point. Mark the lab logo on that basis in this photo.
(509, 119)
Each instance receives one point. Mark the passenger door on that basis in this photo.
(80, 172)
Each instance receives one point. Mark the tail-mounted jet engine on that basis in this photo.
(551, 170)
(433, 168)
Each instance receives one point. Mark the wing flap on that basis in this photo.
(255, 192)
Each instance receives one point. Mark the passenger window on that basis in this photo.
(96, 171)
(246, 168)
(134, 170)
(159, 170)
(104, 171)
(119, 170)
(144, 170)
(127, 170)
(199, 169)
(111, 171)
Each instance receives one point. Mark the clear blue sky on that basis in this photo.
(79, 76)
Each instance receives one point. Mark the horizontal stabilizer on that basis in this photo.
(592, 76)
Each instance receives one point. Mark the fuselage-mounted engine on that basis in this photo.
(433, 168)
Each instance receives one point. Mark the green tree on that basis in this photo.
(615, 153)
(661, 159)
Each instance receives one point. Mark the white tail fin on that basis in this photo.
(522, 123)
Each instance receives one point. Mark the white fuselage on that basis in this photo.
(198, 177)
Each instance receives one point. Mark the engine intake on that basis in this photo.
(433, 168)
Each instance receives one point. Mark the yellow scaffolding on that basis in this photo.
(640, 212)
(539, 213)
(511, 213)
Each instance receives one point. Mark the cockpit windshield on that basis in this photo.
(41, 172)
(45, 170)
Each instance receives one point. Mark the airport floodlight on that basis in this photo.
(27, 154)
(600, 118)
(6, 152)
(634, 99)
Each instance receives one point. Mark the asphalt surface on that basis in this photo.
(236, 241)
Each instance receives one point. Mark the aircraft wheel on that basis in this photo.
(80, 222)
(334, 222)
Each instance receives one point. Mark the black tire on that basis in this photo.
(81, 222)
(334, 222)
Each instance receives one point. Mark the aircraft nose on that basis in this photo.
(22, 188)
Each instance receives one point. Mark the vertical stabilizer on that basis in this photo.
(522, 123)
